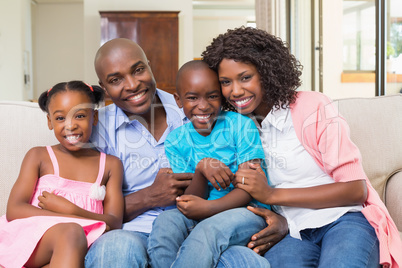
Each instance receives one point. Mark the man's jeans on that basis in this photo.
(349, 242)
(190, 243)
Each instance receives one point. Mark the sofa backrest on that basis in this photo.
(375, 123)
(376, 129)
(23, 126)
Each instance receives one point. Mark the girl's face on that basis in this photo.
(71, 116)
(241, 86)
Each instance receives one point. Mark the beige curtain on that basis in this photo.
(268, 14)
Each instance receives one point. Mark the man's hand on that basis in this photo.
(277, 229)
(193, 207)
(216, 172)
(162, 193)
(167, 186)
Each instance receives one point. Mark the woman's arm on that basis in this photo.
(323, 196)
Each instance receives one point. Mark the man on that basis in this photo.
(134, 129)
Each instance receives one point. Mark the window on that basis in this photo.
(359, 35)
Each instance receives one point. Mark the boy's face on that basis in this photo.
(125, 74)
(199, 94)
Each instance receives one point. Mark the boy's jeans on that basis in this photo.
(190, 243)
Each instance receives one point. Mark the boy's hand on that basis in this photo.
(216, 172)
(193, 207)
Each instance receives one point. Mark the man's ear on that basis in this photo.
(104, 89)
(96, 118)
(49, 123)
(177, 99)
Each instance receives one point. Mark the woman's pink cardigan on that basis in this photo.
(324, 133)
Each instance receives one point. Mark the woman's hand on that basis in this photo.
(253, 181)
(194, 207)
(277, 229)
(216, 172)
(55, 203)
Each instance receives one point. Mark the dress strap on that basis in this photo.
(102, 162)
(54, 160)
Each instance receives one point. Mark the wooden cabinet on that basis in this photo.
(156, 32)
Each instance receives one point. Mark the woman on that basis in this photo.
(336, 219)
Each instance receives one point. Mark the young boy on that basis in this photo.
(213, 146)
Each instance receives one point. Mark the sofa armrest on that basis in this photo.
(393, 198)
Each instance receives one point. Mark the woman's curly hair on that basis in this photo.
(279, 70)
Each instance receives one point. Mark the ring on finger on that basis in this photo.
(242, 180)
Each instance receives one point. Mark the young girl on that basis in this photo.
(66, 195)
(335, 217)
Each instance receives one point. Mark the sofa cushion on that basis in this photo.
(24, 126)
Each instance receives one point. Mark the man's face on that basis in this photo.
(125, 74)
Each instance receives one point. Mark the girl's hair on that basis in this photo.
(95, 93)
(279, 70)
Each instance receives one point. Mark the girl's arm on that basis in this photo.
(113, 204)
(323, 196)
(18, 205)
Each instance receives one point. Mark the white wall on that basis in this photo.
(209, 23)
(58, 44)
(13, 34)
(92, 26)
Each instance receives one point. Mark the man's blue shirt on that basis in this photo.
(141, 154)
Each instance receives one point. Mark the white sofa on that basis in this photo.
(375, 123)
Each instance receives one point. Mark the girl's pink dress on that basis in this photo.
(19, 238)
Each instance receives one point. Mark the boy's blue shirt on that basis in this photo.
(233, 140)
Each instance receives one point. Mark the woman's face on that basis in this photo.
(241, 86)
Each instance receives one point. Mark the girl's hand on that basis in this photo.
(55, 203)
(276, 230)
(253, 181)
(193, 207)
(216, 172)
